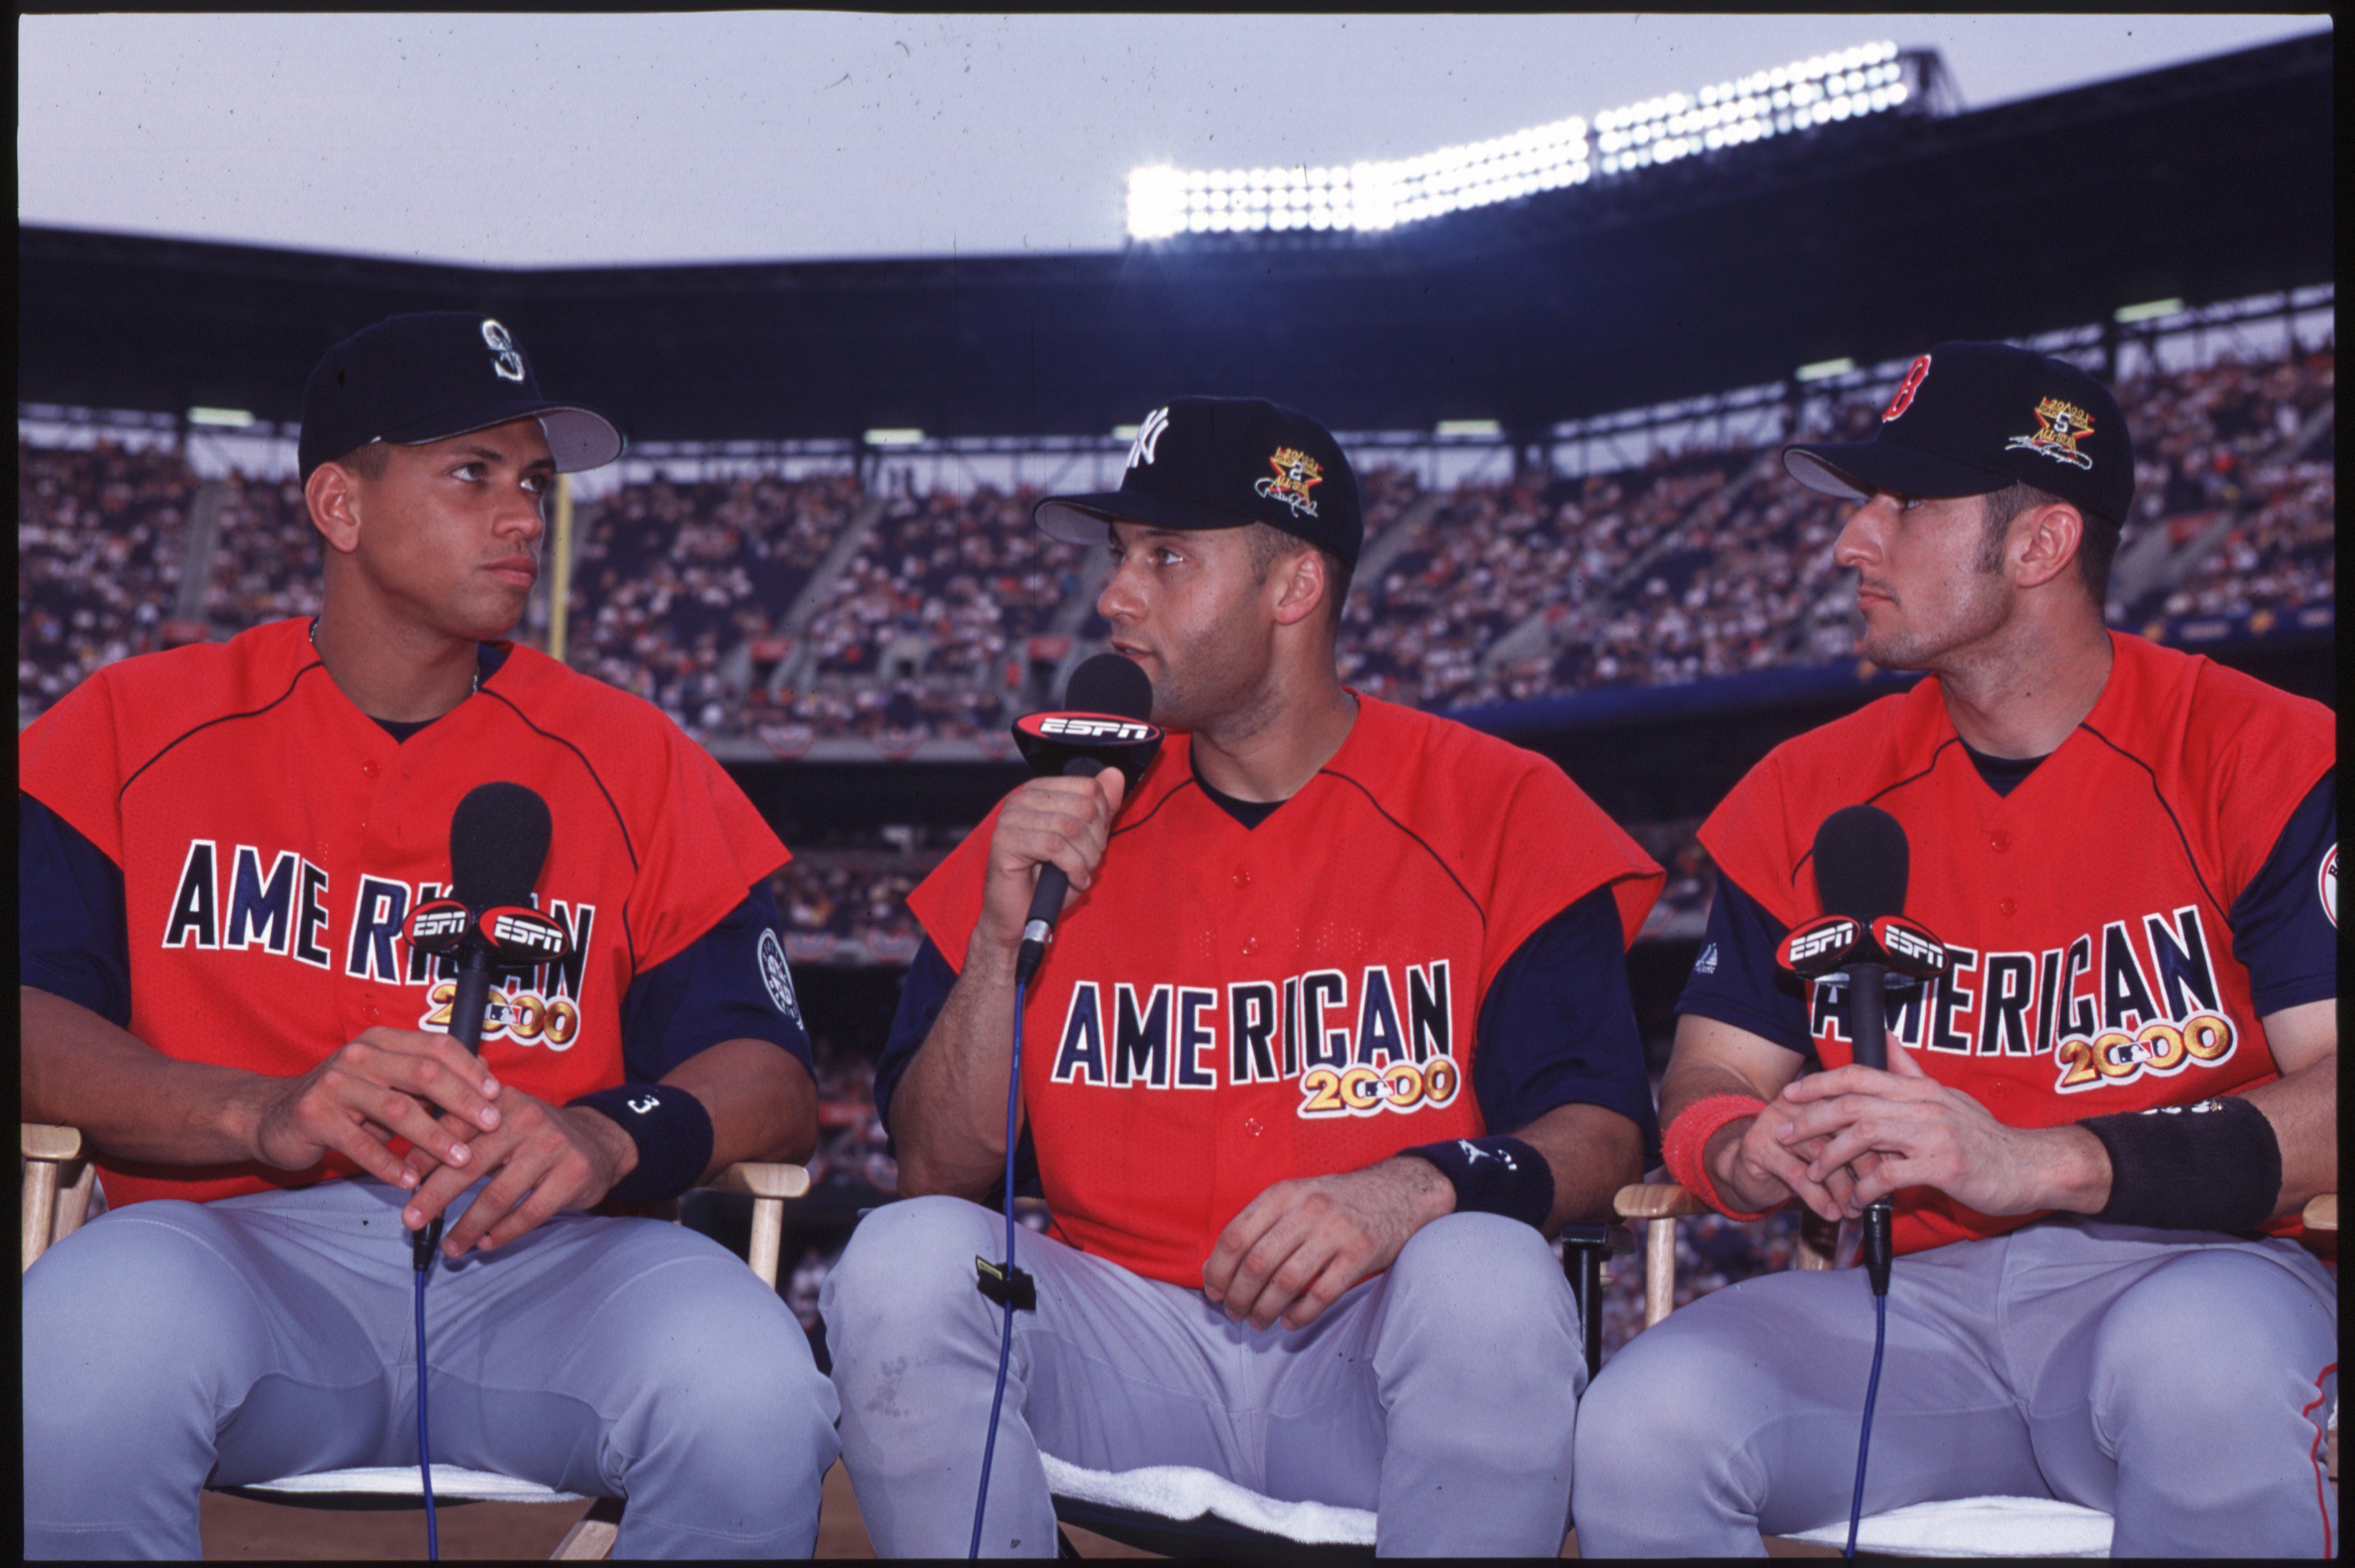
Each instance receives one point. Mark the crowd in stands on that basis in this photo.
(952, 610)
(99, 535)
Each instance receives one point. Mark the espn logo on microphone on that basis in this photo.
(1820, 944)
(1909, 948)
(524, 936)
(1081, 727)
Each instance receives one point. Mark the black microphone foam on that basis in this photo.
(1110, 684)
(1862, 863)
(499, 840)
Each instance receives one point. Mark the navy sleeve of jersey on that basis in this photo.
(921, 997)
(1736, 980)
(2285, 921)
(72, 939)
(1558, 1027)
(731, 983)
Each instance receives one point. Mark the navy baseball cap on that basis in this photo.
(1972, 417)
(1224, 463)
(409, 380)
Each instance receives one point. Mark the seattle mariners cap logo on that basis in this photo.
(1295, 472)
(505, 360)
(1148, 437)
(1915, 376)
(2059, 426)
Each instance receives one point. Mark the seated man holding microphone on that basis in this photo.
(1333, 1032)
(219, 847)
(2099, 1126)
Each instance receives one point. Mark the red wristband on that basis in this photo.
(1684, 1148)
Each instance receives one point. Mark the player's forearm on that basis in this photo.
(762, 1101)
(948, 1115)
(127, 1098)
(2303, 1107)
(1594, 1152)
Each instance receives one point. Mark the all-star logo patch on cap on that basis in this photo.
(409, 380)
(1973, 418)
(1224, 463)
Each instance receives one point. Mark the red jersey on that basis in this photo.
(272, 839)
(1229, 1007)
(2087, 910)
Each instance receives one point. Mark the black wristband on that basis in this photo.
(2215, 1166)
(672, 1130)
(1494, 1176)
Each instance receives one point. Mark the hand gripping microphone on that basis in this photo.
(498, 841)
(1106, 722)
(1863, 864)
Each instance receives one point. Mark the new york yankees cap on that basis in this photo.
(1972, 417)
(1223, 463)
(427, 376)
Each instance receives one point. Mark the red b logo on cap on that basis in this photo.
(1907, 389)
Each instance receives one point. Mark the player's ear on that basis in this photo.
(1304, 587)
(2048, 547)
(333, 495)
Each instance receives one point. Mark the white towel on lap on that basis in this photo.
(449, 1483)
(1177, 1492)
(1977, 1527)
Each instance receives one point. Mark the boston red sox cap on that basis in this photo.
(1224, 463)
(1971, 418)
(414, 379)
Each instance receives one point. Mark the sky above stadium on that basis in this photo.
(540, 140)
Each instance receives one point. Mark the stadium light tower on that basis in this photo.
(1824, 89)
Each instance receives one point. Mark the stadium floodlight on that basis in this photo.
(2149, 310)
(1125, 431)
(1469, 427)
(1822, 369)
(1156, 202)
(894, 437)
(227, 418)
(1823, 90)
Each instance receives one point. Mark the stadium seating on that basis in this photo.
(948, 614)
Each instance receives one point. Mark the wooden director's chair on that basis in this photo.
(57, 1191)
(1963, 1527)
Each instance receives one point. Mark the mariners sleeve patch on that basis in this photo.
(778, 978)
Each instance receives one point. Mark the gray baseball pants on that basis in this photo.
(1441, 1394)
(170, 1346)
(2178, 1381)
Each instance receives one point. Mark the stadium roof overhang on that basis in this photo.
(2203, 182)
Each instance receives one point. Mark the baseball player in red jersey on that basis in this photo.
(218, 849)
(2099, 1126)
(1334, 1030)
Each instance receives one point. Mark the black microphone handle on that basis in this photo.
(474, 996)
(1867, 1013)
(1046, 897)
(1869, 1032)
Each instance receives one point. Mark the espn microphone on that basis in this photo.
(498, 841)
(1863, 864)
(1105, 722)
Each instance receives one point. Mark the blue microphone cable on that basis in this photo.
(1864, 1437)
(1010, 1280)
(421, 1245)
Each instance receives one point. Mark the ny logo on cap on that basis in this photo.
(504, 359)
(1148, 437)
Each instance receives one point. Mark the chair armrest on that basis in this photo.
(761, 1178)
(2322, 1213)
(1665, 1200)
(42, 1141)
(770, 1184)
